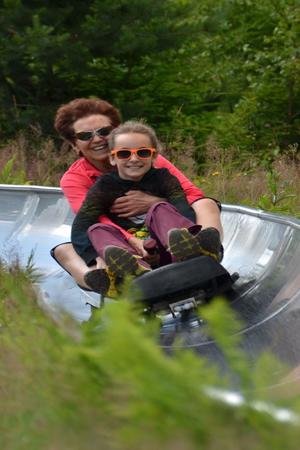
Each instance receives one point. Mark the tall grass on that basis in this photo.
(269, 180)
(106, 384)
(34, 159)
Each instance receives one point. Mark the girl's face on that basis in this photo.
(133, 168)
(94, 146)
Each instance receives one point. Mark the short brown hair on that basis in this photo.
(134, 126)
(68, 113)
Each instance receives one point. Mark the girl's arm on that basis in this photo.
(75, 186)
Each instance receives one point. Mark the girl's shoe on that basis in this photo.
(183, 245)
(121, 262)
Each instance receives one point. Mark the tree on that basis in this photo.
(48, 58)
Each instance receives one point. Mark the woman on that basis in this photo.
(85, 124)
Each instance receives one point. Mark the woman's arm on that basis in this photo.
(207, 210)
(134, 203)
(171, 189)
(137, 202)
(96, 203)
(75, 185)
(191, 191)
(77, 181)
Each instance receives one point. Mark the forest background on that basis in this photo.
(220, 81)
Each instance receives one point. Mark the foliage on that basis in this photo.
(92, 48)
(6, 174)
(214, 67)
(32, 159)
(219, 79)
(107, 384)
(269, 180)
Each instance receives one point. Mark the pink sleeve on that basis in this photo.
(191, 191)
(75, 188)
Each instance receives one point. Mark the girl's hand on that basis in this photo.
(100, 264)
(138, 245)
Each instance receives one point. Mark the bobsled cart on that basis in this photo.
(181, 287)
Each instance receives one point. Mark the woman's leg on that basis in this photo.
(69, 260)
(93, 277)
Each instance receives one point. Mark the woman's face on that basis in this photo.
(94, 149)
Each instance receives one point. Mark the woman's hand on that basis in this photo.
(133, 203)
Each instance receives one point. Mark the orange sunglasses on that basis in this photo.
(126, 153)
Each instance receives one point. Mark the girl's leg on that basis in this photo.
(181, 236)
(102, 235)
(163, 217)
(119, 255)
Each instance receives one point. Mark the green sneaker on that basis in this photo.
(183, 245)
(121, 262)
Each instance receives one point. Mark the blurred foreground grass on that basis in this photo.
(106, 384)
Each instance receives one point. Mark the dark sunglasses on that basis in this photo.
(87, 135)
(126, 153)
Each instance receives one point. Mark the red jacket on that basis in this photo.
(81, 175)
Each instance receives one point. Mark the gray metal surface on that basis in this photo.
(264, 248)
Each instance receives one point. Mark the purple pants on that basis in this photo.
(160, 218)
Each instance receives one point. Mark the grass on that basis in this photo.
(268, 181)
(106, 384)
(34, 160)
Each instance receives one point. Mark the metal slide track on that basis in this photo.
(263, 248)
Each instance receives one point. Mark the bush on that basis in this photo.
(107, 384)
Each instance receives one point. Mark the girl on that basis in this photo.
(170, 225)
